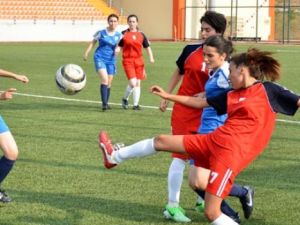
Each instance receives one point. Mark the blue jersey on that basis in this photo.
(216, 84)
(107, 44)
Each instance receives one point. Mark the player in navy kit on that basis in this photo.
(104, 56)
(7, 142)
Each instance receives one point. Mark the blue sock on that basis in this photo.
(5, 167)
(103, 91)
(108, 94)
(238, 191)
(225, 207)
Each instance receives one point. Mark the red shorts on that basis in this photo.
(180, 129)
(221, 176)
(134, 68)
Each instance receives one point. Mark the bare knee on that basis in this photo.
(12, 154)
(159, 142)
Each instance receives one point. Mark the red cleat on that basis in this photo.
(107, 149)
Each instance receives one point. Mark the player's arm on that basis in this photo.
(298, 103)
(174, 80)
(5, 73)
(191, 101)
(150, 54)
(89, 48)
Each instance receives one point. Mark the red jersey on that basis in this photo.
(191, 66)
(251, 120)
(133, 43)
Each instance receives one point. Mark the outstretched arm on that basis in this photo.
(5, 73)
(175, 79)
(191, 101)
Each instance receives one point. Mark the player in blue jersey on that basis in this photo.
(7, 141)
(104, 56)
(216, 53)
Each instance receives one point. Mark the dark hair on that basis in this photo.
(221, 44)
(261, 64)
(132, 15)
(112, 15)
(216, 20)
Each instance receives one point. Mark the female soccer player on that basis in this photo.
(191, 71)
(104, 56)
(7, 141)
(251, 106)
(132, 43)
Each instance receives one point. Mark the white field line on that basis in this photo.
(98, 102)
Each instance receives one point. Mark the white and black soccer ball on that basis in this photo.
(70, 79)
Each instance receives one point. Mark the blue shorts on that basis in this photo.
(110, 67)
(3, 126)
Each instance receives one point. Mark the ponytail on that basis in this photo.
(261, 64)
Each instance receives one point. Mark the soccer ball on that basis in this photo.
(70, 79)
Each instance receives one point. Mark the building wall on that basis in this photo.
(155, 16)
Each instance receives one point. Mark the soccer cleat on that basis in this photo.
(200, 206)
(107, 149)
(4, 197)
(124, 103)
(176, 214)
(136, 107)
(247, 202)
(104, 108)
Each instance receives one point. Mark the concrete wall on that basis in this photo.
(48, 30)
(155, 16)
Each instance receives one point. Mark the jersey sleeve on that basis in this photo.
(146, 42)
(219, 102)
(187, 50)
(281, 99)
(121, 42)
(97, 35)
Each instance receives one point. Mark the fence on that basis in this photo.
(259, 22)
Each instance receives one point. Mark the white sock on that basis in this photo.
(136, 95)
(175, 177)
(137, 150)
(128, 92)
(224, 220)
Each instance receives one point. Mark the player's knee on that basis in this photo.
(159, 142)
(12, 154)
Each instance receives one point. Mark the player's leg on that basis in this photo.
(175, 177)
(136, 95)
(213, 212)
(166, 143)
(103, 76)
(10, 151)
(198, 178)
(111, 71)
(129, 69)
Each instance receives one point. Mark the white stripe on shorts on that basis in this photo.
(224, 182)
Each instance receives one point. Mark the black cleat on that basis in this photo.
(136, 107)
(248, 202)
(4, 197)
(104, 108)
(124, 103)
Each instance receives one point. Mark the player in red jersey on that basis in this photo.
(251, 106)
(132, 43)
(192, 75)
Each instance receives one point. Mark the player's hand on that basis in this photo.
(117, 50)
(8, 94)
(152, 60)
(22, 78)
(157, 90)
(163, 105)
